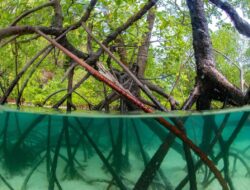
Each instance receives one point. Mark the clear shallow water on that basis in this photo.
(40, 150)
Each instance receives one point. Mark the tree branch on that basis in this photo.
(113, 35)
(52, 94)
(8, 41)
(108, 100)
(22, 30)
(161, 92)
(89, 40)
(46, 53)
(240, 24)
(85, 99)
(60, 102)
(65, 43)
(147, 103)
(144, 87)
(192, 98)
(227, 89)
(143, 49)
(21, 73)
(28, 12)
(179, 73)
(88, 11)
(86, 15)
(58, 18)
(121, 50)
(25, 68)
(130, 21)
(29, 39)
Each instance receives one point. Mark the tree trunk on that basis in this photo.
(208, 76)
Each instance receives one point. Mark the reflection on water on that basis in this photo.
(90, 151)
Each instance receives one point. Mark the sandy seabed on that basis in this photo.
(96, 178)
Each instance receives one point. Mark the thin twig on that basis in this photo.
(28, 12)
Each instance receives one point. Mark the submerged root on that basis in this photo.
(18, 159)
(24, 186)
(71, 173)
(6, 182)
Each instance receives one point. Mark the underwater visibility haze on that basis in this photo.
(43, 150)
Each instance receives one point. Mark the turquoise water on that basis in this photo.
(52, 150)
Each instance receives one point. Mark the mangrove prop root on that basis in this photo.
(210, 181)
(190, 166)
(196, 150)
(24, 186)
(213, 142)
(144, 155)
(48, 155)
(27, 131)
(226, 171)
(53, 178)
(101, 156)
(188, 156)
(152, 167)
(4, 133)
(226, 145)
(237, 129)
(71, 167)
(6, 182)
(16, 156)
(180, 134)
(117, 156)
(237, 157)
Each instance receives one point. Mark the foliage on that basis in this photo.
(170, 61)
